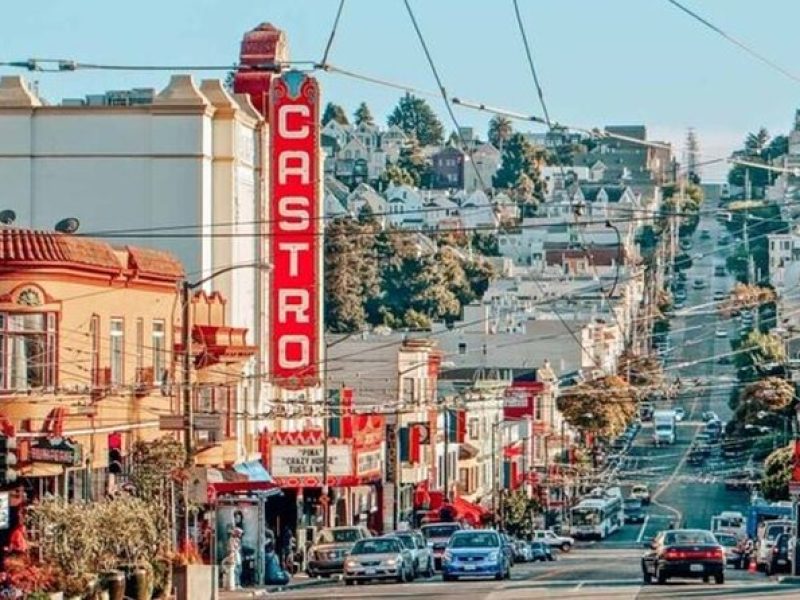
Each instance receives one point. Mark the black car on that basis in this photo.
(541, 551)
(689, 553)
(780, 559)
(634, 510)
(698, 455)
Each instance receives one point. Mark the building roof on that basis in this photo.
(29, 249)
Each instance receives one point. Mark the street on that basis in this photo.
(680, 493)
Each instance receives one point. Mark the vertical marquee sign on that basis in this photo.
(296, 278)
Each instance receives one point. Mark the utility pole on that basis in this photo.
(446, 454)
(326, 517)
(186, 372)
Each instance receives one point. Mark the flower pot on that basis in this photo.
(114, 583)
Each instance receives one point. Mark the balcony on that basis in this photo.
(101, 382)
(145, 381)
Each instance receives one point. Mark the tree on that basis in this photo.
(754, 143)
(416, 118)
(395, 175)
(413, 162)
(334, 112)
(757, 350)
(363, 115)
(518, 173)
(746, 297)
(486, 244)
(777, 474)
(602, 406)
(518, 512)
(640, 370)
(480, 274)
(500, 131)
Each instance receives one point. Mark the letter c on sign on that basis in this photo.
(283, 121)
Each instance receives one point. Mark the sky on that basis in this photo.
(600, 62)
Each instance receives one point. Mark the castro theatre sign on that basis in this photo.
(294, 230)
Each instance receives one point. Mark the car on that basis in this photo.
(682, 276)
(709, 415)
(697, 256)
(475, 553)
(780, 561)
(721, 333)
(768, 535)
(719, 296)
(541, 551)
(688, 553)
(522, 551)
(705, 234)
(423, 557)
(633, 510)
(699, 284)
(641, 492)
(719, 271)
(680, 305)
(548, 536)
(698, 455)
(508, 547)
(646, 411)
(724, 240)
(437, 535)
(730, 542)
(378, 558)
(328, 552)
(686, 245)
(740, 480)
(680, 413)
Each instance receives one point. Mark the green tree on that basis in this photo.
(756, 142)
(757, 350)
(518, 173)
(486, 244)
(363, 115)
(396, 175)
(518, 512)
(334, 112)
(602, 406)
(416, 118)
(500, 131)
(413, 162)
(480, 274)
(777, 474)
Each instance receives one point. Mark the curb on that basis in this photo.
(789, 580)
(260, 592)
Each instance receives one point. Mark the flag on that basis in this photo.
(419, 435)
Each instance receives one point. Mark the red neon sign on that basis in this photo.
(294, 225)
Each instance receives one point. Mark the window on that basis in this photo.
(537, 403)
(157, 342)
(408, 389)
(27, 350)
(139, 345)
(94, 338)
(473, 428)
(117, 346)
(462, 347)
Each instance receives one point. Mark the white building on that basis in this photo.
(187, 163)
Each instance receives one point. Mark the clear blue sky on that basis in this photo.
(601, 61)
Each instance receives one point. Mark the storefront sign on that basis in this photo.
(57, 451)
(307, 461)
(391, 452)
(369, 462)
(294, 227)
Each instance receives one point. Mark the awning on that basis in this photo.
(470, 512)
(254, 471)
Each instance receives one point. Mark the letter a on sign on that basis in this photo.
(293, 242)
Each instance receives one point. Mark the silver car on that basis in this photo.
(378, 558)
(423, 556)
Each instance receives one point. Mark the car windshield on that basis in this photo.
(474, 539)
(376, 546)
(338, 536)
(773, 531)
(585, 516)
(406, 540)
(677, 538)
(726, 540)
(639, 489)
(439, 531)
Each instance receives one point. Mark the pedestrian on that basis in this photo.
(287, 544)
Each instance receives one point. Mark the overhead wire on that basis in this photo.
(332, 35)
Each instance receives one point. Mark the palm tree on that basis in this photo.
(500, 130)
(756, 142)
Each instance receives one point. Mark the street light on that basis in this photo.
(186, 337)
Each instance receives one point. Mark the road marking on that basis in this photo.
(641, 531)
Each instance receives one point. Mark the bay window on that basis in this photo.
(27, 351)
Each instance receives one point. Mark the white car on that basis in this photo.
(549, 537)
(680, 413)
(722, 333)
(641, 492)
(416, 544)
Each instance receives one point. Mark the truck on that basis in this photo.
(761, 512)
(729, 521)
(663, 426)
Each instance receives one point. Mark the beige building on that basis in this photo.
(88, 338)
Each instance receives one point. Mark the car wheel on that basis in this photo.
(448, 577)
(768, 569)
(719, 578)
(566, 547)
(661, 577)
(705, 579)
(508, 573)
(348, 581)
(430, 571)
(647, 578)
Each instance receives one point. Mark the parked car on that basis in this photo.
(740, 480)
(719, 271)
(641, 492)
(522, 551)
(327, 555)
(780, 560)
(475, 553)
(437, 535)
(680, 413)
(549, 537)
(508, 547)
(634, 510)
(705, 234)
(699, 284)
(541, 551)
(767, 537)
(689, 553)
(721, 332)
(378, 558)
(423, 557)
(710, 415)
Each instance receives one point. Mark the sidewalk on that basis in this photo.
(299, 581)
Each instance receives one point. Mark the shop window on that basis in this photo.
(117, 347)
(27, 350)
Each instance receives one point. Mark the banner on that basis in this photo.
(294, 227)
(307, 461)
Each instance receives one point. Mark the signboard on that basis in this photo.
(369, 462)
(58, 451)
(391, 452)
(294, 227)
(306, 461)
(5, 512)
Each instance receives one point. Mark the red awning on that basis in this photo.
(469, 511)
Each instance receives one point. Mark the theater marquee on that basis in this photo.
(294, 228)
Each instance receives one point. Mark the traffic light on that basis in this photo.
(8, 459)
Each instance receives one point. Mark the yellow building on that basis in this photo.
(88, 338)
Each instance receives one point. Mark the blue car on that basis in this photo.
(475, 553)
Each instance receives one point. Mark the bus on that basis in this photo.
(597, 515)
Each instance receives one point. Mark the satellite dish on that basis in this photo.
(7, 217)
(68, 225)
